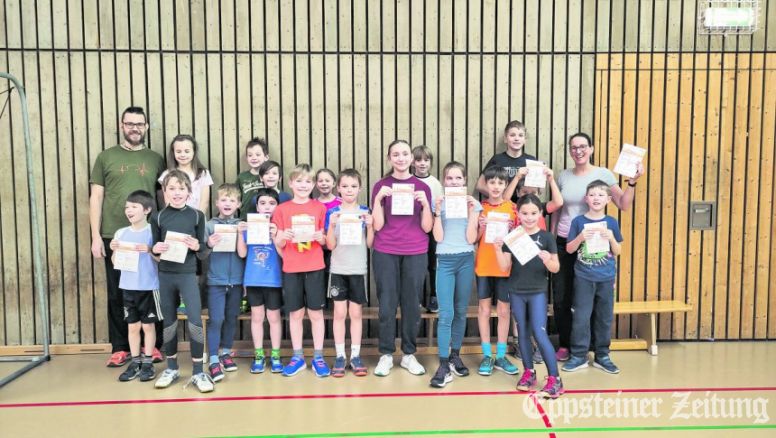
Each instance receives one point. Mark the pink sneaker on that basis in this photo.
(527, 381)
(553, 388)
(562, 354)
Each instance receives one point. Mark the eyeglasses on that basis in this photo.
(578, 148)
(134, 125)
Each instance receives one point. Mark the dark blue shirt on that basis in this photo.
(597, 266)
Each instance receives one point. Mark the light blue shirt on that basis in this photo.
(147, 276)
(454, 240)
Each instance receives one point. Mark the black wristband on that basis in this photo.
(631, 184)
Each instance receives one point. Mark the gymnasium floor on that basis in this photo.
(681, 392)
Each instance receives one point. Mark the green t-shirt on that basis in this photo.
(248, 184)
(121, 172)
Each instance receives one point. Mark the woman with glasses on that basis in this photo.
(572, 183)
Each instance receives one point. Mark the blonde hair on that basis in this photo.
(301, 169)
(454, 165)
(230, 190)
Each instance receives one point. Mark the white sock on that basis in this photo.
(355, 350)
(340, 348)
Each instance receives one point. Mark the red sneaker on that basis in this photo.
(118, 359)
(157, 356)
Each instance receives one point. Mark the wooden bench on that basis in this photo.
(645, 328)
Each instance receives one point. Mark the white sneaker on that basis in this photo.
(384, 366)
(412, 365)
(202, 381)
(167, 378)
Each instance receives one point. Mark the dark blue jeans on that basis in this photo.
(589, 297)
(530, 311)
(223, 304)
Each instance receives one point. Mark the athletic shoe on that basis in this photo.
(527, 381)
(320, 367)
(118, 359)
(575, 363)
(275, 365)
(516, 351)
(486, 366)
(553, 387)
(295, 365)
(132, 371)
(167, 378)
(606, 364)
(503, 364)
(216, 373)
(358, 367)
(537, 356)
(338, 370)
(147, 372)
(442, 377)
(257, 367)
(157, 356)
(562, 354)
(433, 305)
(244, 307)
(457, 366)
(228, 363)
(202, 381)
(384, 365)
(411, 364)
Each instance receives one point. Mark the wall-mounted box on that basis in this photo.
(703, 215)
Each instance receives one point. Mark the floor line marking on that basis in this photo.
(364, 395)
(540, 409)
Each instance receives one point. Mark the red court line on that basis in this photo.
(540, 409)
(366, 395)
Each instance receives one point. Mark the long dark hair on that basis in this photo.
(196, 165)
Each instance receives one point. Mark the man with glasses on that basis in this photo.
(117, 172)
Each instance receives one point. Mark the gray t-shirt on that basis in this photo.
(348, 259)
(573, 189)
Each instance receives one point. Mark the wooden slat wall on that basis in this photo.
(332, 82)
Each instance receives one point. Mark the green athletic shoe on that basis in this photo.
(503, 364)
(486, 366)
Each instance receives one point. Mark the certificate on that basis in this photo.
(403, 200)
(629, 159)
(303, 226)
(125, 257)
(497, 226)
(535, 176)
(177, 250)
(456, 206)
(228, 242)
(351, 229)
(599, 242)
(521, 245)
(258, 229)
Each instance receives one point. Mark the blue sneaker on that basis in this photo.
(275, 365)
(503, 364)
(486, 366)
(606, 364)
(258, 366)
(320, 367)
(296, 364)
(575, 363)
(338, 370)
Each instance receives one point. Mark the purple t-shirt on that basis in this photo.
(401, 235)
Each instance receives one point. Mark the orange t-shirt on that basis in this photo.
(306, 260)
(485, 263)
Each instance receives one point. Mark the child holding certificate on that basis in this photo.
(224, 281)
(530, 254)
(594, 273)
(497, 218)
(349, 234)
(455, 236)
(179, 233)
(402, 218)
(300, 236)
(263, 281)
(139, 284)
